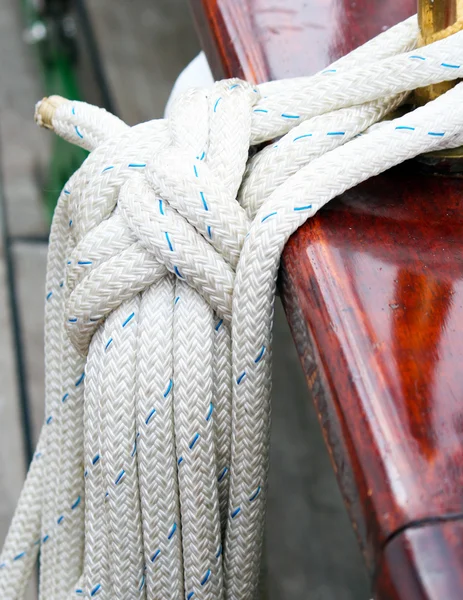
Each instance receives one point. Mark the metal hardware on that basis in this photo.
(437, 19)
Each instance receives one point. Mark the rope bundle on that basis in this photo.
(149, 480)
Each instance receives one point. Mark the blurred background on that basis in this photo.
(125, 55)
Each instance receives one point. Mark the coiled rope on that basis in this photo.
(149, 480)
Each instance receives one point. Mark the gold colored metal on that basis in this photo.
(436, 16)
(437, 19)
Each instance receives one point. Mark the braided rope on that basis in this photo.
(149, 480)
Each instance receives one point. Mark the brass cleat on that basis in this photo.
(438, 19)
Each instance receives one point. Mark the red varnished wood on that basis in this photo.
(373, 290)
(228, 38)
(425, 562)
(273, 39)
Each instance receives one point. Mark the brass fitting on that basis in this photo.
(437, 19)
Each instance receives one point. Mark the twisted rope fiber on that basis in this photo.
(150, 475)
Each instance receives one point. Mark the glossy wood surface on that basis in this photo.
(373, 290)
(414, 562)
(273, 39)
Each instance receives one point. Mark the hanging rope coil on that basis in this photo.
(149, 480)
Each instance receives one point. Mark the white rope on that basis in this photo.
(150, 476)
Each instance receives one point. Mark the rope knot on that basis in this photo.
(161, 198)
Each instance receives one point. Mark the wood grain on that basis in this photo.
(373, 291)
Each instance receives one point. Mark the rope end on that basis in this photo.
(45, 110)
